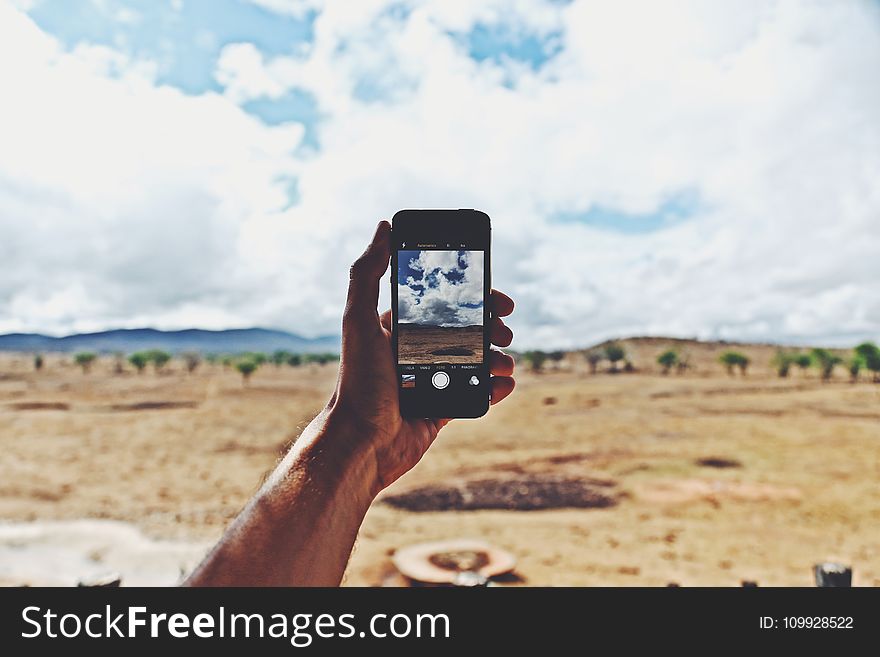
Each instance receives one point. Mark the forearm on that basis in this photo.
(301, 526)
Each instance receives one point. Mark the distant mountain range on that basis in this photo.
(229, 341)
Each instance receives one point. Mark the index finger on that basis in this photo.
(501, 304)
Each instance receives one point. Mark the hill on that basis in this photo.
(129, 340)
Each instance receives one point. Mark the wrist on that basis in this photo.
(335, 454)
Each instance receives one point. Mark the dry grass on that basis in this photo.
(179, 454)
(437, 344)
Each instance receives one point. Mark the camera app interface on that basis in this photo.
(439, 317)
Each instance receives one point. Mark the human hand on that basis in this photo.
(366, 395)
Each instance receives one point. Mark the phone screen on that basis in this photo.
(440, 286)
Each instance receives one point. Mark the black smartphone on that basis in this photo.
(440, 285)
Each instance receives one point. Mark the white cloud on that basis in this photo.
(446, 291)
(242, 72)
(122, 202)
(768, 112)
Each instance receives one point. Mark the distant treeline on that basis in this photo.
(864, 357)
(246, 363)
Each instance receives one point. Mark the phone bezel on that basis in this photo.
(471, 226)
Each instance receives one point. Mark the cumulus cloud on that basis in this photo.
(767, 113)
(123, 201)
(441, 288)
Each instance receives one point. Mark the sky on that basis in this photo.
(440, 288)
(694, 169)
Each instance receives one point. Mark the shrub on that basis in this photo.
(667, 360)
(38, 362)
(191, 360)
(280, 357)
(85, 359)
(803, 361)
(323, 359)
(870, 355)
(118, 363)
(159, 358)
(294, 360)
(246, 368)
(614, 352)
(536, 359)
(257, 357)
(556, 357)
(825, 361)
(684, 363)
(732, 359)
(139, 360)
(854, 365)
(783, 361)
(593, 357)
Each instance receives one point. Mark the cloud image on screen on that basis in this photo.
(440, 306)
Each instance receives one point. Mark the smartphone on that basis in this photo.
(440, 285)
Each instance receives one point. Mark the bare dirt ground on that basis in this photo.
(700, 479)
(440, 344)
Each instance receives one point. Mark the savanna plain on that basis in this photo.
(632, 478)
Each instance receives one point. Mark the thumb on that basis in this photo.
(364, 275)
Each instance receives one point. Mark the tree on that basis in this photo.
(139, 360)
(191, 360)
(227, 361)
(825, 361)
(38, 362)
(159, 359)
(854, 365)
(667, 360)
(593, 357)
(280, 357)
(257, 357)
(323, 359)
(684, 363)
(536, 359)
(614, 352)
(870, 355)
(246, 367)
(803, 361)
(783, 361)
(294, 360)
(556, 357)
(732, 359)
(85, 359)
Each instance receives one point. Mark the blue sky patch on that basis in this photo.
(677, 209)
(184, 38)
(500, 41)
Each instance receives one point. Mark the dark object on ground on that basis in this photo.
(830, 574)
(456, 562)
(749, 584)
(718, 462)
(154, 406)
(453, 351)
(108, 581)
(524, 493)
(40, 406)
(549, 401)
